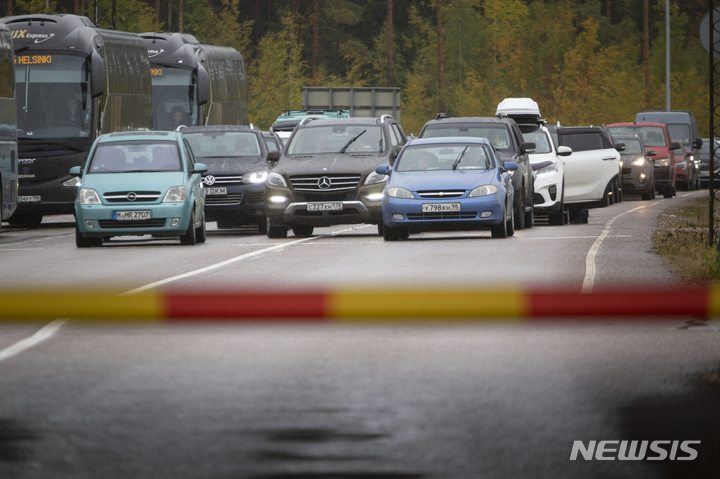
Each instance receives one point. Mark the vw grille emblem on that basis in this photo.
(131, 196)
(324, 183)
(209, 180)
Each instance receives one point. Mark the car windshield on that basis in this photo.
(499, 136)
(337, 139)
(582, 141)
(632, 147)
(680, 133)
(541, 140)
(126, 157)
(650, 135)
(223, 144)
(445, 157)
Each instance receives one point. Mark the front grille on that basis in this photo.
(255, 197)
(462, 215)
(232, 199)
(226, 180)
(441, 194)
(332, 182)
(151, 223)
(140, 196)
(626, 171)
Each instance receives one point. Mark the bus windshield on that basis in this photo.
(51, 91)
(173, 94)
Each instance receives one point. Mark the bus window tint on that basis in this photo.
(173, 98)
(52, 96)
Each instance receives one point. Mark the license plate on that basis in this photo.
(218, 190)
(327, 206)
(440, 207)
(131, 215)
(28, 199)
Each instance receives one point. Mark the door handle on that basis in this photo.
(609, 158)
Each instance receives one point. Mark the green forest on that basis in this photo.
(583, 61)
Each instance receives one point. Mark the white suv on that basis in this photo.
(549, 181)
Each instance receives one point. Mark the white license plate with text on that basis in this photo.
(440, 207)
(217, 190)
(325, 206)
(131, 215)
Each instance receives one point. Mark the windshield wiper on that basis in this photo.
(351, 140)
(459, 158)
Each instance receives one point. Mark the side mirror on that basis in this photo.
(528, 147)
(620, 146)
(383, 169)
(203, 86)
(675, 146)
(511, 165)
(199, 168)
(540, 165)
(564, 151)
(651, 153)
(76, 171)
(97, 75)
(698, 143)
(273, 157)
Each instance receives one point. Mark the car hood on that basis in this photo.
(157, 181)
(232, 165)
(443, 180)
(329, 164)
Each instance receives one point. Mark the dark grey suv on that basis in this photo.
(507, 139)
(326, 174)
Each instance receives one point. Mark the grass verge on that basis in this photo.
(682, 237)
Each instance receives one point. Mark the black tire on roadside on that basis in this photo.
(83, 242)
(201, 232)
(190, 235)
(519, 213)
(275, 231)
(302, 230)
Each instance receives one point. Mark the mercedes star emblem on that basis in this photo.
(324, 183)
(209, 180)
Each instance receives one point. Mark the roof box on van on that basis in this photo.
(522, 110)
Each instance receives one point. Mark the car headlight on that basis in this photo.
(664, 162)
(73, 182)
(483, 190)
(275, 179)
(255, 177)
(88, 196)
(638, 162)
(374, 178)
(397, 192)
(175, 194)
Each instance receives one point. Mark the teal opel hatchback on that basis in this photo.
(138, 183)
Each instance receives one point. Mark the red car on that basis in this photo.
(656, 138)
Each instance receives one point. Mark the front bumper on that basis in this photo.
(241, 203)
(481, 212)
(50, 198)
(548, 192)
(637, 178)
(97, 220)
(363, 205)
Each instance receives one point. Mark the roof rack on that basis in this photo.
(385, 117)
(441, 116)
(307, 119)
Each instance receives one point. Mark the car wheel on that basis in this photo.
(499, 230)
(83, 242)
(302, 230)
(380, 229)
(649, 194)
(27, 220)
(510, 224)
(262, 227)
(275, 231)
(519, 213)
(200, 232)
(530, 217)
(391, 233)
(605, 201)
(190, 235)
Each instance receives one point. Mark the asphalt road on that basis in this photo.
(355, 402)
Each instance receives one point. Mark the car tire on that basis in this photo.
(605, 201)
(275, 231)
(380, 229)
(530, 217)
(649, 194)
(557, 217)
(190, 235)
(519, 213)
(201, 232)
(302, 230)
(510, 225)
(83, 242)
(28, 220)
(397, 233)
(499, 230)
(262, 227)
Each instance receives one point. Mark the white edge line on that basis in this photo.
(590, 270)
(43, 334)
(236, 259)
